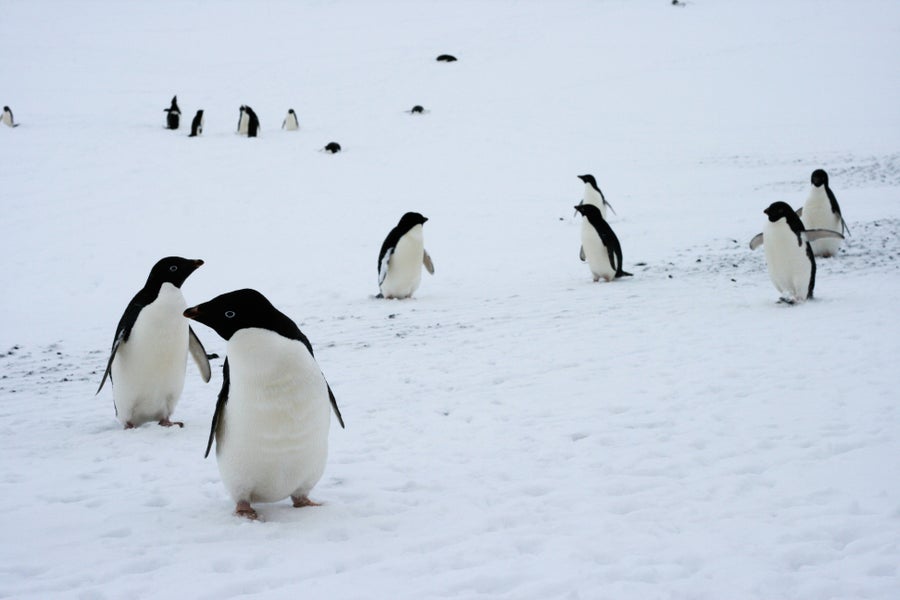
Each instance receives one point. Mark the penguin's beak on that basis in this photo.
(197, 263)
(193, 312)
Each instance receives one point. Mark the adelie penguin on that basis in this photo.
(789, 256)
(446, 58)
(148, 359)
(593, 195)
(273, 414)
(243, 121)
(332, 148)
(401, 258)
(7, 118)
(173, 116)
(290, 121)
(821, 211)
(599, 245)
(197, 124)
(252, 122)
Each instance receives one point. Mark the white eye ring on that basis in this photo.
(173, 268)
(229, 314)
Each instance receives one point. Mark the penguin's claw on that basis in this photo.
(167, 423)
(301, 501)
(243, 509)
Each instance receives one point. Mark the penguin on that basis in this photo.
(7, 118)
(599, 245)
(290, 121)
(593, 195)
(252, 122)
(332, 148)
(401, 258)
(173, 118)
(789, 256)
(821, 211)
(273, 412)
(149, 351)
(243, 121)
(418, 109)
(197, 124)
(446, 58)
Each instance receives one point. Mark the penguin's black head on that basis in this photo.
(781, 210)
(290, 111)
(241, 309)
(411, 219)
(172, 269)
(6, 109)
(589, 211)
(819, 177)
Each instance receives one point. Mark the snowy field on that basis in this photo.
(514, 431)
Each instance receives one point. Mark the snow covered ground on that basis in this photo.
(515, 430)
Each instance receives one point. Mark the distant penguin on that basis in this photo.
(446, 58)
(401, 258)
(173, 116)
(252, 122)
(332, 148)
(418, 109)
(273, 413)
(7, 118)
(593, 195)
(821, 211)
(197, 124)
(243, 121)
(149, 352)
(290, 121)
(599, 245)
(789, 257)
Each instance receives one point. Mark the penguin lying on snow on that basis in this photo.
(7, 118)
(599, 245)
(401, 258)
(273, 413)
(173, 116)
(593, 195)
(149, 352)
(789, 256)
(821, 211)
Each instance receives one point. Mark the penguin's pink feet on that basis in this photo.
(129, 425)
(243, 509)
(167, 423)
(301, 501)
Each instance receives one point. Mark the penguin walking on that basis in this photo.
(273, 413)
(599, 245)
(401, 258)
(252, 122)
(789, 256)
(197, 124)
(173, 118)
(593, 195)
(290, 121)
(243, 121)
(149, 352)
(7, 118)
(821, 211)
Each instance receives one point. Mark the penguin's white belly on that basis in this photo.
(817, 215)
(789, 267)
(291, 124)
(148, 370)
(592, 196)
(6, 119)
(595, 252)
(405, 266)
(273, 440)
(244, 124)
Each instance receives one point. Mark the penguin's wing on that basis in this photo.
(609, 206)
(334, 406)
(123, 331)
(198, 353)
(426, 260)
(581, 254)
(757, 241)
(818, 234)
(283, 123)
(220, 406)
(843, 222)
(383, 262)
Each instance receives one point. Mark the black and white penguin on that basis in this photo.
(290, 121)
(446, 58)
(252, 122)
(197, 124)
(273, 413)
(821, 211)
(243, 121)
(789, 256)
(599, 245)
(401, 258)
(173, 116)
(149, 352)
(7, 118)
(593, 195)
(332, 148)
(418, 109)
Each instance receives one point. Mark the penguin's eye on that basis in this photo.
(173, 268)
(229, 314)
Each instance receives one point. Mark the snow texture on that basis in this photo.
(515, 431)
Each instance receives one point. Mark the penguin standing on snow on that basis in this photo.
(401, 258)
(173, 118)
(789, 256)
(273, 413)
(599, 245)
(197, 124)
(290, 121)
(593, 195)
(7, 118)
(243, 121)
(821, 211)
(149, 352)
(252, 122)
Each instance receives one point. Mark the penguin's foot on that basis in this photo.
(129, 425)
(790, 301)
(167, 423)
(301, 501)
(243, 509)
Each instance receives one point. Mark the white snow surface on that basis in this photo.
(515, 431)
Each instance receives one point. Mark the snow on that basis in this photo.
(514, 430)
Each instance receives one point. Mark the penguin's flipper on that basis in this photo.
(334, 406)
(220, 406)
(757, 241)
(843, 222)
(283, 123)
(383, 268)
(112, 355)
(608, 205)
(581, 254)
(426, 260)
(123, 331)
(198, 353)
(818, 234)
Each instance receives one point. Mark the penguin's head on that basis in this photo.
(819, 178)
(290, 111)
(411, 219)
(6, 109)
(780, 210)
(588, 179)
(240, 309)
(172, 269)
(589, 211)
